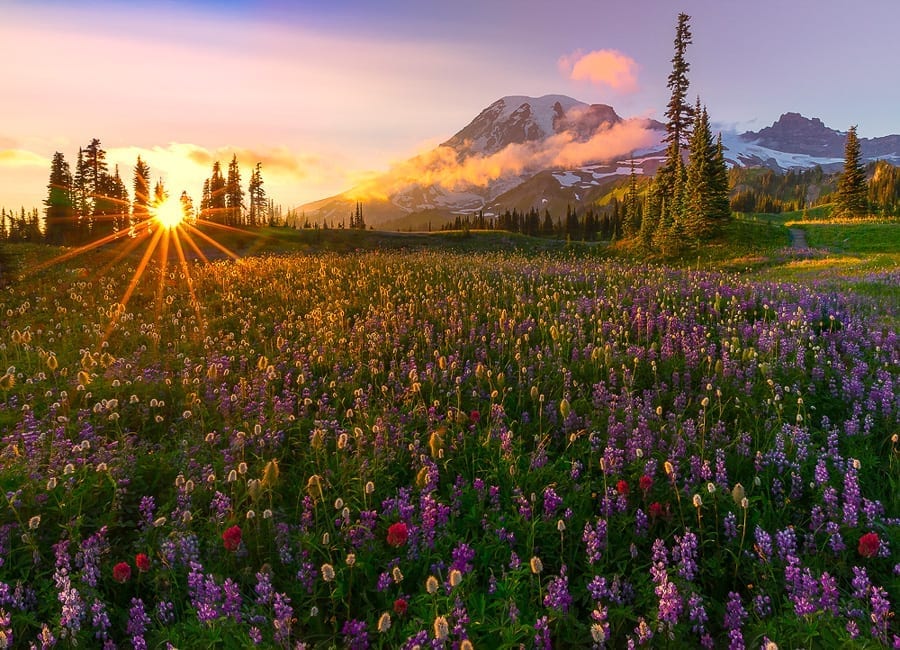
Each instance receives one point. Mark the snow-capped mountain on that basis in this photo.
(507, 144)
(553, 151)
(795, 142)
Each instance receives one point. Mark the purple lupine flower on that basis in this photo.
(418, 640)
(88, 557)
(552, 502)
(801, 586)
(356, 635)
(165, 612)
(558, 596)
(137, 624)
(829, 599)
(881, 614)
(786, 542)
(463, 555)
(860, 583)
(220, 505)
(735, 615)
(697, 614)
(542, 639)
(730, 526)
(762, 605)
(852, 500)
(283, 618)
(6, 633)
(594, 538)
(147, 509)
(263, 588)
(641, 523)
(231, 606)
(686, 554)
(100, 620)
(763, 543)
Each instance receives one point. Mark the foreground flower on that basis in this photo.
(231, 538)
(869, 545)
(142, 562)
(397, 534)
(622, 487)
(400, 606)
(122, 572)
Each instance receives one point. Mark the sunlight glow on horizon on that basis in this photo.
(169, 212)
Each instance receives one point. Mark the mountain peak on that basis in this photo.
(514, 119)
(794, 133)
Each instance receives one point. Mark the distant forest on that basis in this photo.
(767, 191)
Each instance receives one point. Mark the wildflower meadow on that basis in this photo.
(446, 450)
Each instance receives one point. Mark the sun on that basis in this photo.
(169, 213)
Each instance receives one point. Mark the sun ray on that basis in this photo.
(176, 239)
(163, 270)
(134, 281)
(212, 241)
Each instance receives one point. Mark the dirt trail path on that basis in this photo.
(798, 238)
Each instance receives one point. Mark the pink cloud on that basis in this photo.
(605, 67)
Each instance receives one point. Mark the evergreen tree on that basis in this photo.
(678, 112)
(697, 215)
(141, 187)
(234, 194)
(81, 197)
(216, 206)
(631, 223)
(59, 204)
(852, 193)
(257, 196)
(720, 203)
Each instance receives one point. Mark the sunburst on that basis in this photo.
(168, 226)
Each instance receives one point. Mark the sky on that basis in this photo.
(328, 94)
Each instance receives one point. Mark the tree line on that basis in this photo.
(93, 201)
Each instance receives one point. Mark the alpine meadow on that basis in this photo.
(565, 380)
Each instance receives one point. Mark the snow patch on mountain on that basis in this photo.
(746, 153)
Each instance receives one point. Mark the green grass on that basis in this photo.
(855, 238)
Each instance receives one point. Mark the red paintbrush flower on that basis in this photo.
(142, 562)
(869, 545)
(397, 534)
(122, 572)
(231, 538)
(622, 487)
(400, 606)
(645, 482)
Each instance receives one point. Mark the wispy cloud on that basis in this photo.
(21, 158)
(608, 68)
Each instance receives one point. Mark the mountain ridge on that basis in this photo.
(552, 151)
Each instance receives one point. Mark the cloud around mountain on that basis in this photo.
(464, 167)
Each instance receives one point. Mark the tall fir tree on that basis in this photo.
(631, 223)
(59, 204)
(81, 198)
(720, 199)
(256, 194)
(140, 185)
(679, 113)
(697, 214)
(234, 194)
(216, 207)
(852, 193)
